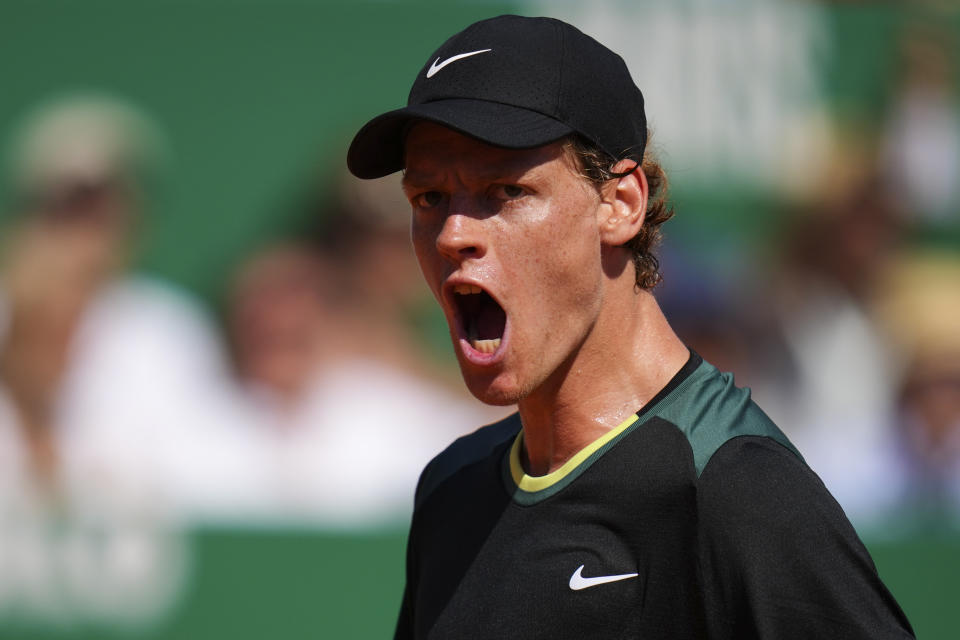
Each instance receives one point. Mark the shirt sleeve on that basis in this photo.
(779, 559)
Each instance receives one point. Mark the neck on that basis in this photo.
(628, 357)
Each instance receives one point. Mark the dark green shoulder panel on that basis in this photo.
(710, 410)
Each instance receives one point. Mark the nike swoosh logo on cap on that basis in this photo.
(437, 65)
(578, 582)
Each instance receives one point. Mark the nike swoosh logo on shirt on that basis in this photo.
(437, 65)
(578, 582)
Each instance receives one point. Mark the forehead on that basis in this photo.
(431, 148)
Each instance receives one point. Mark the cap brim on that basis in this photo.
(377, 149)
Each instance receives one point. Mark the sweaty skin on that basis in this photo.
(583, 347)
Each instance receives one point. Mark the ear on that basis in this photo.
(624, 205)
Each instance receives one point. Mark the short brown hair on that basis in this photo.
(596, 166)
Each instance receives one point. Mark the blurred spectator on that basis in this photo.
(349, 408)
(105, 376)
(923, 131)
(827, 375)
(920, 308)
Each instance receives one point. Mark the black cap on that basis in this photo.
(518, 83)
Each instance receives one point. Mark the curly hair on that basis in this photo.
(596, 166)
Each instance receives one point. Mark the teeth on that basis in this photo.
(485, 346)
(466, 289)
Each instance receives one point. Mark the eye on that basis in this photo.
(427, 199)
(509, 191)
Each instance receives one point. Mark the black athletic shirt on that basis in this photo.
(695, 518)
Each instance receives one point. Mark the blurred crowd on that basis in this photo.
(128, 413)
(317, 405)
(849, 335)
(128, 407)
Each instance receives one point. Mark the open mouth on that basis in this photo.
(484, 321)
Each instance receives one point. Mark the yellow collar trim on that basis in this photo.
(538, 483)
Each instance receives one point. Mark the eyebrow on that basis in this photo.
(502, 172)
(409, 182)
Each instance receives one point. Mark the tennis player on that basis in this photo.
(637, 492)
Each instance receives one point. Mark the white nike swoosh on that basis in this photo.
(436, 67)
(577, 581)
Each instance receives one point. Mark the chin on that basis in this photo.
(492, 391)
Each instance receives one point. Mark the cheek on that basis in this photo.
(567, 252)
(425, 248)
(562, 265)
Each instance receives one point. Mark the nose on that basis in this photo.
(461, 238)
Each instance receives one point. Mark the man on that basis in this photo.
(637, 492)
